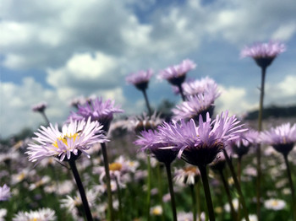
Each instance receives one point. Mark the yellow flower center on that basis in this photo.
(64, 139)
(156, 211)
(274, 203)
(190, 169)
(21, 176)
(115, 166)
(34, 219)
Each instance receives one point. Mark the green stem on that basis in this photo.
(197, 185)
(170, 181)
(236, 184)
(239, 165)
(258, 151)
(160, 194)
(193, 201)
(147, 102)
(204, 177)
(291, 186)
(148, 187)
(108, 182)
(226, 186)
(81, 190)
(119, 199)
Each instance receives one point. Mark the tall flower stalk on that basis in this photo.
(140, 80)
(100, 111)
(171, 189)
(282, 139)
(263, 54)
(198, 146)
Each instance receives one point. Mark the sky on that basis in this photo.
(54, 51)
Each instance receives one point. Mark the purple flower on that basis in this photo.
(282, 138)
(154, 142)
(4, 193)
(40, 107)
(75, 138)
(97, 110)
(200, 145)
(264, 53)
(241, 145)
(196, 105)
(196, 145)
(177, 74)
(197, 87)
(140, 79)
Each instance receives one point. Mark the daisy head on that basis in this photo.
(140, 79)
(75, 138)
(40, 107)
(281, 138)
(274, 204)
(177, 74)
(188, 175)
(97, 110)
(43, 214)
(263, 53)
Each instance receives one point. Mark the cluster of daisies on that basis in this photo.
(193, 135)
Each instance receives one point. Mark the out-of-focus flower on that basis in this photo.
(156, 211)
(195, 106)
(241, 145)
(264, 53)
(75, 138)
(43, 181)
(118, 169)
(77, 101)
(40, 107)
(187, 175)
(3, 213)
(71, 203)
(4, 193)
(44, 214)
(166, 198)
(96, 110)
(177, 74)
(252, 217)
(234, 203)
(144, 122)
(274, 204)
(140, 79)
(281, 138)
(183, 216)
(196, 87)
(22, 175)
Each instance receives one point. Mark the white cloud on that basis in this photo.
(234, 99)
(83, 71)
(85, 47)
(285, 31)
(283, 92)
